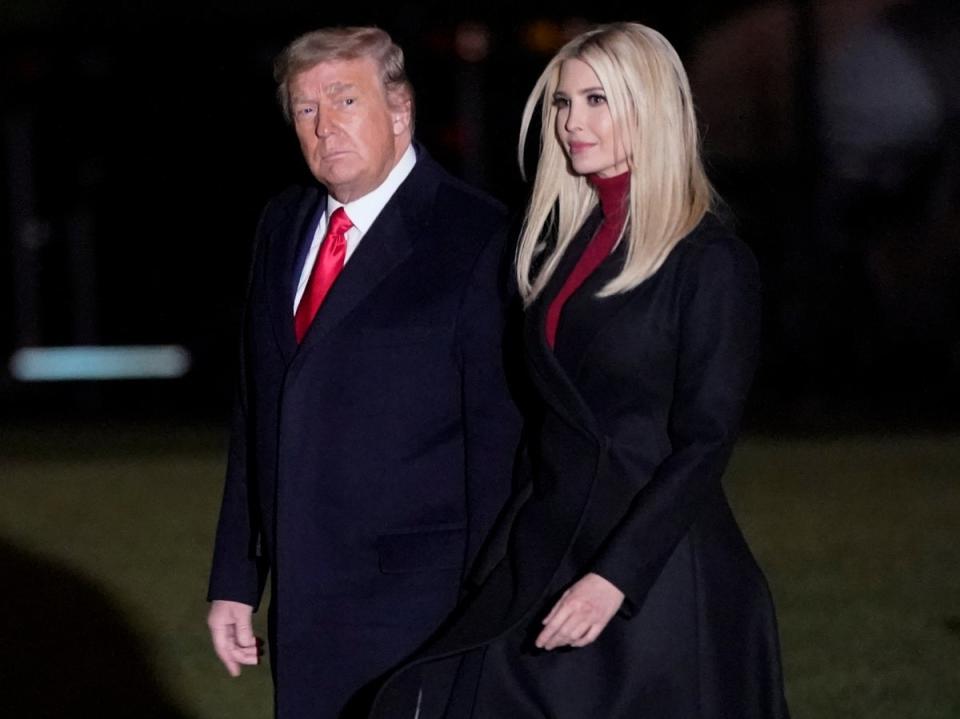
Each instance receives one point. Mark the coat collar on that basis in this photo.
(555, 385)
(283, 241)
(386, 244)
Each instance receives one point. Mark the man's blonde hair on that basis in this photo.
(345, 43)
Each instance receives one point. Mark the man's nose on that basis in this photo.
(323, 126)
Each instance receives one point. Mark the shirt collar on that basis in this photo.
(364, 210)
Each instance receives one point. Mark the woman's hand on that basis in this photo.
(580, 614)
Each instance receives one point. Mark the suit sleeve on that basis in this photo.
(490, 417)
(719, 332)
(239, 569)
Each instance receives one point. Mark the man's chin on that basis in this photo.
(335, 179)
(341, 169)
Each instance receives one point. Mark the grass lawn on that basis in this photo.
(105, 537)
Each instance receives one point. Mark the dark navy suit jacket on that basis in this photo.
(368, 463)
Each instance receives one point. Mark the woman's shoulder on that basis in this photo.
(713, 246)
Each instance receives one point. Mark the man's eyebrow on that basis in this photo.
(335, 88)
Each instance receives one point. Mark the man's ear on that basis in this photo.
(400, 115)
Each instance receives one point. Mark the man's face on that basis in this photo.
(350, 136)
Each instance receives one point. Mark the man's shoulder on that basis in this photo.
(459, 196)
(459, 191)
(286, 203)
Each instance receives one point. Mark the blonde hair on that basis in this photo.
(345, 43)
(651, 105)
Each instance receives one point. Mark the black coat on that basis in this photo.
(640, 406)
(367, 463)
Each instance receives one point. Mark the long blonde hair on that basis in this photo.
(650, 101)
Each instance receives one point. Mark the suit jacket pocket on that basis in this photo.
(422, 550)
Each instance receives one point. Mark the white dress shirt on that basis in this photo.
(362, 213)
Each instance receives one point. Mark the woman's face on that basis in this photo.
(585, 127)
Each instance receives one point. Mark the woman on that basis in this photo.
(618, 583)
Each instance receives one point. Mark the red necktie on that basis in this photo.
(326, 267)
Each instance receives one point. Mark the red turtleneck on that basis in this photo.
(613, 202)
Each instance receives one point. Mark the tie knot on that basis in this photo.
(339, 222)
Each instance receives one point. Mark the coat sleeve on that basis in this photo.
(718, 346)
(239, 569)
(491, 420)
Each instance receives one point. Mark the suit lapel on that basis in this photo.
(389, 241)
(285, 241)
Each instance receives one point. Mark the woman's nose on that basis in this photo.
(574, 121)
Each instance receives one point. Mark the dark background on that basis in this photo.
(140, 141)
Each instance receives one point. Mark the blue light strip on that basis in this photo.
(62, 364)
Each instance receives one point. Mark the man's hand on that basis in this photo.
(580, 614)
(231, 628)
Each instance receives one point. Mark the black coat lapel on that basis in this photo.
(283, 243)
(554, 383)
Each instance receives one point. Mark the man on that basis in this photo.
(374, 435)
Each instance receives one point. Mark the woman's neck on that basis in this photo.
(613, 193)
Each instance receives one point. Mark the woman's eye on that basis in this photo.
(596, 99)
(560, 102)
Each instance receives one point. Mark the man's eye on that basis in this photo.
(303, 111)
(349, 101)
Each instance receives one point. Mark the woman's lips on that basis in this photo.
(576, 147)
